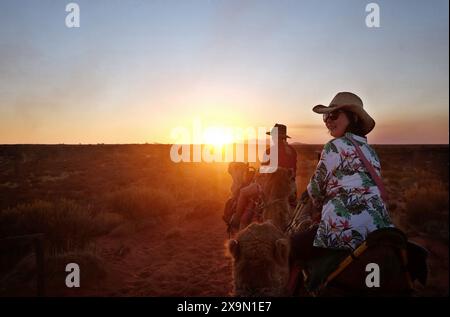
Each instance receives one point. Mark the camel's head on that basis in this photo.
(260, 261)
(240, 174)
(235, 168)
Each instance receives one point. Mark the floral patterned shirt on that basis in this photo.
(351, 202)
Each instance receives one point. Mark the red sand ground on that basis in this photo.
(184, 257)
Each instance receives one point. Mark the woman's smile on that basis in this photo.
(330, 126)
(337, 124)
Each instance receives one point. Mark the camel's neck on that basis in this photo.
(238, 180)
(276, 195)
(277, 204)
(278, 211)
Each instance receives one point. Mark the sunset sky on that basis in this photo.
(135, 70)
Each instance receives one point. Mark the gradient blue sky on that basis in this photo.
(135, 70)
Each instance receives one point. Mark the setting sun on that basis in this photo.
(217, 137)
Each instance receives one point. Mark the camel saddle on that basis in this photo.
(319, 272)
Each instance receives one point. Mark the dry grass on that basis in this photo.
(427, 208)
(66, 224)
(136, 203)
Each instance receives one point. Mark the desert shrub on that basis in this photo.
(21, 280)
(66, 225)
(427, 208)
(136, 203)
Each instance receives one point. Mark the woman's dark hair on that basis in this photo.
(354, 125)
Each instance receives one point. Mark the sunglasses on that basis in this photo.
(331, 115)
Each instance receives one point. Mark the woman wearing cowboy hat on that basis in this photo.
(343, 186)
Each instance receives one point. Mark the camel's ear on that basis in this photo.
(282, 249)
(233, 246)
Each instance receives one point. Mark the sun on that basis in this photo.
(217, 137)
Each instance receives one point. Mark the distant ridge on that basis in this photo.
(298, 143)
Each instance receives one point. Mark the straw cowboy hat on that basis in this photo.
(351, 102)
(282, 130)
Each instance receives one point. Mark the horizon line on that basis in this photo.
(158, 143)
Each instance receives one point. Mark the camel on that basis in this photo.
(276, 191)
(260, 260)
(261, 267)
(239, 175)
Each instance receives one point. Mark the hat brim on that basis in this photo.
(367, 122)
(324, 109)
(283, 136)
